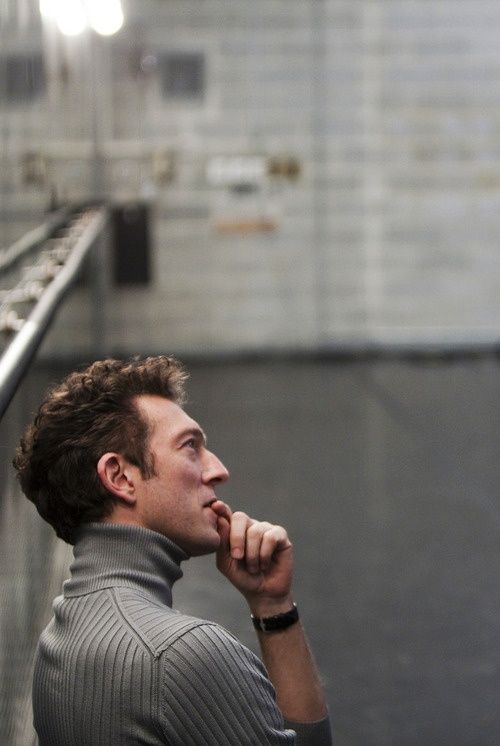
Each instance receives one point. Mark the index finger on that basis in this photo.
(238, 535)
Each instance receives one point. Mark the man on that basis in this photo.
(114, 463)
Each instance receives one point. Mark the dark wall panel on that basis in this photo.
(131, 244)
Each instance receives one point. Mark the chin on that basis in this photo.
(211, 545)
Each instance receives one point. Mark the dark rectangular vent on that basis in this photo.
(22, 77)
(182, 75)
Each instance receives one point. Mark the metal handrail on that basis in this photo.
(31, 240)
(18, 355)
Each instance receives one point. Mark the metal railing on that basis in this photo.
(30, 241)
(27, 309)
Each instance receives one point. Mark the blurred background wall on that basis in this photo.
(312, 174)
(288, 176)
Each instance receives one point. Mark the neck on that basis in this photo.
(110, 555)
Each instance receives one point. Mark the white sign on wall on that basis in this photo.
(229, 171)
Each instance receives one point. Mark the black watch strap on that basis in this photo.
(277, 622)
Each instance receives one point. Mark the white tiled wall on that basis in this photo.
(390, 233)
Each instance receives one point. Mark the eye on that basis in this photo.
(191, 443)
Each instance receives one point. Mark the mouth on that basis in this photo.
(210, 502)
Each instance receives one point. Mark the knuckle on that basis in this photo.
(255, 529)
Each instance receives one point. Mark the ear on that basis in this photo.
(116, 475)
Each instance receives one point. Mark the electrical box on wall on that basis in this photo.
(241, 203)
(245, 198)
(34, 169)
(131, 244)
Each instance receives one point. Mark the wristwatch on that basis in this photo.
(277, 622)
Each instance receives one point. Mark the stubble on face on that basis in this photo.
(176, 500)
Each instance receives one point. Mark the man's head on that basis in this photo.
(90, 413)
(176, 500)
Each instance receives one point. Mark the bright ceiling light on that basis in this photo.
(105, 16)
(48, 8)
(73, 16)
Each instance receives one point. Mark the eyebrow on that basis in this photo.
(197, 432)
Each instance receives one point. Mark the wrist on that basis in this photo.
(265, 607)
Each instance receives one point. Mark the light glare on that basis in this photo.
(74, 16)
(71, 17)
(48, 8)
(105, 16)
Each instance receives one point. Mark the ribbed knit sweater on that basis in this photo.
(118, 666)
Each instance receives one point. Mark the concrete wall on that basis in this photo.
(388, 235)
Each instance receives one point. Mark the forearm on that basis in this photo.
(257, 558)
(292, 670)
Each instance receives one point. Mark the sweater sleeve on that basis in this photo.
(215, 691)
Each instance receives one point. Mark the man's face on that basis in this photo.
(176, 502)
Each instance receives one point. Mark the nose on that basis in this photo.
(214, 471)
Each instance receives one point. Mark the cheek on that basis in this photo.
(177, 481)
(188, 473)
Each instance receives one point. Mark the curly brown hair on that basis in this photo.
(89, 413)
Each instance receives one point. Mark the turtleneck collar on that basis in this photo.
(109, 555)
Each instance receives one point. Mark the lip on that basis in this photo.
(211, 514)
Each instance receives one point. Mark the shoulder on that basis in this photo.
(184, 640)
(158, 625)
(220, 688)
(207, 644)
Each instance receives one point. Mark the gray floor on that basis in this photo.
(386, 474)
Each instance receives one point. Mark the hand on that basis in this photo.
(256, 557)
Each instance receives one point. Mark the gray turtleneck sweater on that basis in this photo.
(118, 666)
